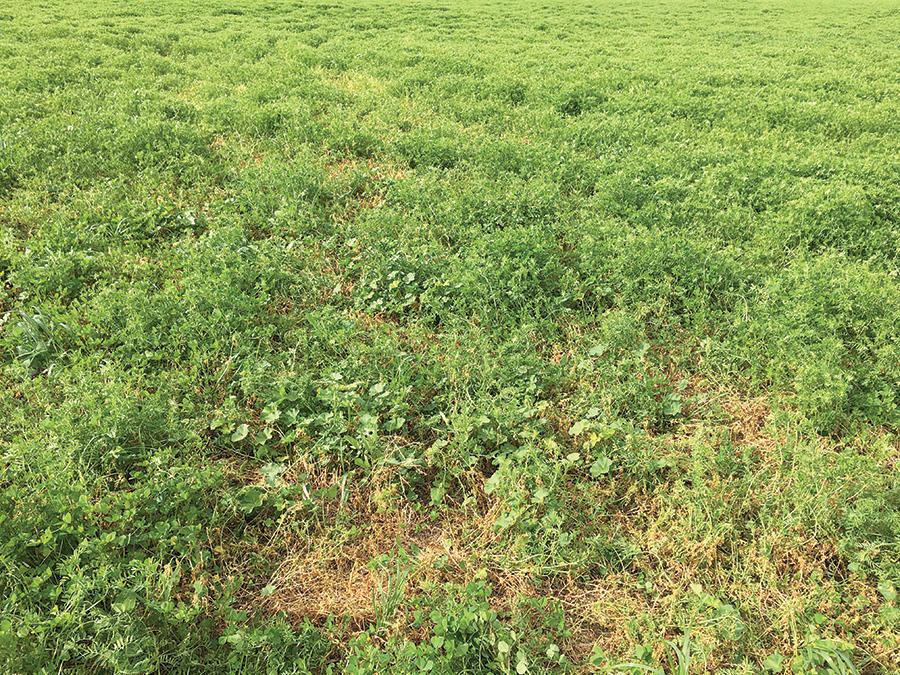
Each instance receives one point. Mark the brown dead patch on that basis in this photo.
(749, 418)
(601, 612)
(255, 158)
(414, 339)
(189, 96)
(282, 307)
(362, 184)
(315, 587)
(245, 154)
(377, 170)
(343, 569)
(355, 82)
(742, 420)
(316, 579)
(218, 142)
(797, 559)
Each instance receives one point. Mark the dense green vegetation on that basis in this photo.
(457, 337)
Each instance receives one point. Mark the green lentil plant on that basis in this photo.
(107, 577)
(831, 318)
(276, 647)
(397, 286)
(531, 482)
(337, 422)
(466, 635)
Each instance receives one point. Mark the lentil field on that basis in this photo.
(458, 337)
